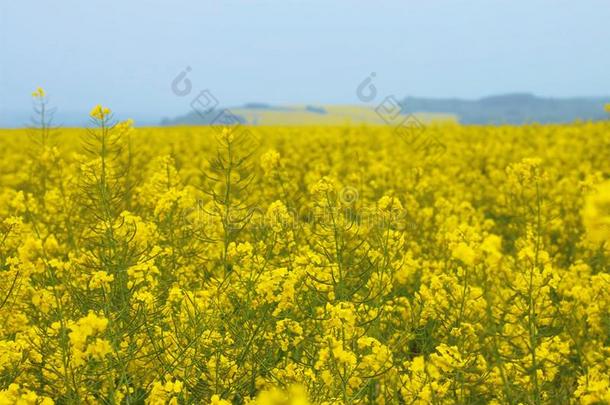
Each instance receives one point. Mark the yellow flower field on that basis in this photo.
(304, 265)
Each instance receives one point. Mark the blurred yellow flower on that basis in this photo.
(99, 113)
(39, 93)
(596, 214)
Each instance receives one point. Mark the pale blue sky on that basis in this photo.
(126, 53)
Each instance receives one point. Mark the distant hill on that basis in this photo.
(519, 108)
(516, 109)
(264, 114)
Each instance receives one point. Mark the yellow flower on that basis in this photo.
(39, 93)
(278, 216)
(270, 161)
(447, 358)
(464, 253)
(101, 279)
(15, 394)
(216, 400)
(99, 349)
(596, 214)
(100, 113)
(85, 327)
(389, 204)
(295, 395)
(123, 127)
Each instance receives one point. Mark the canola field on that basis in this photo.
(304, 265)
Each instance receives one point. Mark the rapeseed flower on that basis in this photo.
(176, 265)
